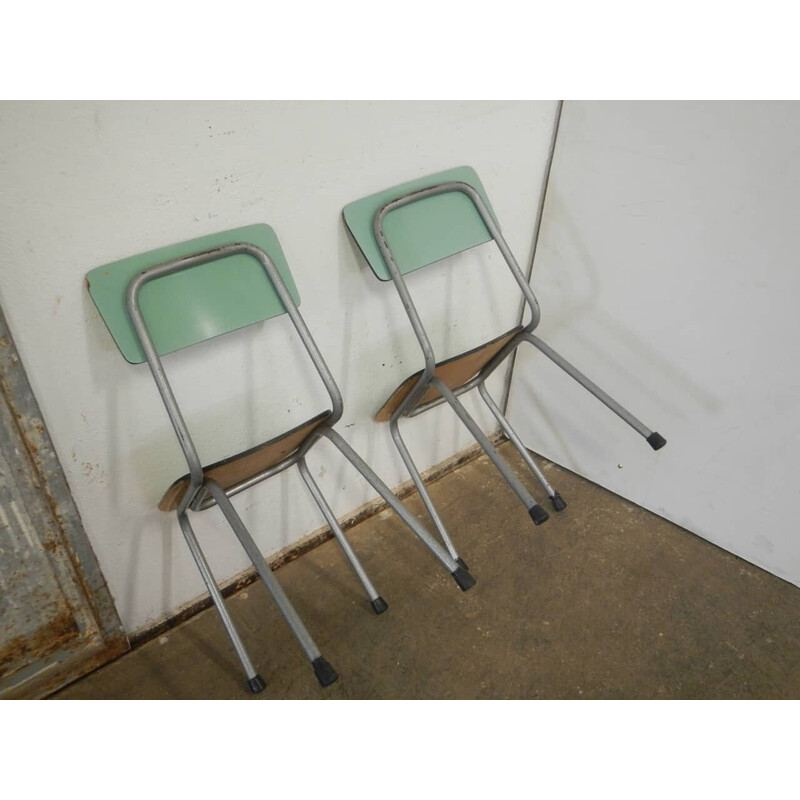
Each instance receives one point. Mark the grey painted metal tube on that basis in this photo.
(336, 529)
(394, 427)
(164, 388)
(265, 573)
(405, 297)
(530, 299)
(157, 369)
(491, 226)
(302, 329)
(513, 481)
(216, 595)
(386, 493)
(427, 378)
(605, 399)
(514, 438)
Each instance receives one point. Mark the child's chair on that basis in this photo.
(178, 296)
(410, 226)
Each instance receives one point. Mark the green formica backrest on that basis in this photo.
(195, 304)
(424, 231)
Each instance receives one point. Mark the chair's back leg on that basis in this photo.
(254, 680)
(379, 605)
(394, 427)
(323, 670)
(559, 504)
(461, 575)
(536, 512)
(655, 440)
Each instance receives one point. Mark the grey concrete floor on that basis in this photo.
(605, 600)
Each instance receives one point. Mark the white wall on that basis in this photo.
(84, 184)
(667, 270)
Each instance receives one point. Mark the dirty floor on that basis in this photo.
(605, 600)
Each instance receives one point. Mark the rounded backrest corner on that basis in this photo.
(425, 231)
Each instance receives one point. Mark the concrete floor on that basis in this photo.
(605, 600)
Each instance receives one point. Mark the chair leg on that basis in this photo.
(379, 605)
(536, 512)
(654, 439)
(394, 427)
(460, 574)
(559, 504)
(325, 673)
(254, 681)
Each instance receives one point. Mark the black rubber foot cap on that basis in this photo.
(325, 673)
(257, 684)
(538, 515)
(379, 605)
(462, 564)
(464, 580)
(559, 503)
(656, 441)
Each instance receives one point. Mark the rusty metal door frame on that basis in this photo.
(98, 635)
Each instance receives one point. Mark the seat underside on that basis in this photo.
(241, 467)
(453, 372)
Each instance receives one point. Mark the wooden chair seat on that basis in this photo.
(234, 470)
(453, 372)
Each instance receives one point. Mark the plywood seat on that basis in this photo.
(454, 372)
(245, 465)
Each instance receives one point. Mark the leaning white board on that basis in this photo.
(668, 270)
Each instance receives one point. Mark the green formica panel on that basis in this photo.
(422, 232)
(194, 304)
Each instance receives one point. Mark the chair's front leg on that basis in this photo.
(325, 673)
(254, 680)
(394, 427)
(379, 605)
(536, 512)
(559, 504)
(460, 575)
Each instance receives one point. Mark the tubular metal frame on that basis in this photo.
(203, 492)
(427, 379)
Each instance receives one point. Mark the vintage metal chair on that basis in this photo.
(177, 296)
(410, 226)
